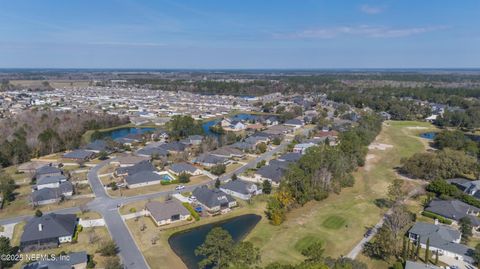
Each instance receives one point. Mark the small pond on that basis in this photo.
(123, 132)
(428, 135)
(185, 243)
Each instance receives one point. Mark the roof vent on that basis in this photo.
(40, 227)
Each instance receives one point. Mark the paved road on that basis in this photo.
(359, 247)
(107, 206)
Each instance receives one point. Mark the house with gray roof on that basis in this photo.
(240, 189)
(48, 231)
(273, 172)
(79, 155)
(151, 151)
(144, 165)
(470, 187)
(97, 146)
(76, 260)
(174, 147)
(144, 178)
(163, 213)
(228, 152)
(210, 160)
(454, 210)
(47, 170)
(46, 196)
(214, 200)
(290, 157)
(49, 182)
(441, 238)
(296, 123)
(183, 167)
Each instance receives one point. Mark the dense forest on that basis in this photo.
(34, 133)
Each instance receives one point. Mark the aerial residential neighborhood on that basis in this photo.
(239, 134)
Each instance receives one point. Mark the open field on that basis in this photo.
(341, 220)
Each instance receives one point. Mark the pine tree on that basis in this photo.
(409, 253)
(417, 251)
(427, 251)
(436, 257)
(404, 249)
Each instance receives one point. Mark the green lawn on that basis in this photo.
(341, 220)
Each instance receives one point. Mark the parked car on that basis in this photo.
(179, 187)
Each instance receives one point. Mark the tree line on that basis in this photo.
(323, 169)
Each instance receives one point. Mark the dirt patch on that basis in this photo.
(416, 127)
(379, 146)
(369, 161)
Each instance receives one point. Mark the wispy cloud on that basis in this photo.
(361, 30)
(368, 9)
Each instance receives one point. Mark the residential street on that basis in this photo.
(108, 206)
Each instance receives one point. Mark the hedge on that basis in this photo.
(436, 216)
(192, 211)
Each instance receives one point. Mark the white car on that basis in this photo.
(179, 187)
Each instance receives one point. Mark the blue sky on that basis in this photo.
(240, 34)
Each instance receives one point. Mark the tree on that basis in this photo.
(395, 191)
(6, 249)
(261, 163)
(436, 257)
(234, 176)
(266, 187)
(314, 252)
(217, 249)
(262, 147)
(103, 155)
(476, 255)
(417, 251)
(277, 140)
(218, 169)
(245, 255)
(108, 248)
(7, 186)
(427, 251)
(217, 183)
(182, 126)
(113, 263)
(466, 229)
(184, 177)
(38, 213)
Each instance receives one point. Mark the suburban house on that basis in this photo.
(228, 152)
(79, 155)
(48, 231)
(97, 146)
(240, 189)
(47, 170)
(232, 125)
(210, 160)
(179, 168)
(467, 186)
(454, 210)
(296, 123)
(242, 145)
(151, 151)
(302, 147)
(144, 165)
(128, 160)
(193, 140)
(49, 182)
(174, 147)
(75, 260)
(167, 212)
(441, 238)
(147, 178)
(290, 157)
(214, 200)
(49, 195)
(255, 140)
(273, 172)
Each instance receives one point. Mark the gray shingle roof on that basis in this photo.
(227, 152)
(418, 265)
(441, 237)
(274, 171)
(210, 159)
(174, 146)
(136, 168)
(453, 209)
(165, 210)
(150, 151)
(53, 226)
(51, 179)
(79, 154)
(211, 197)
(183, 167)
(143, 177)
(98, 145)
(290, 157)
(46, 194)
(238, 186)
(47, 169)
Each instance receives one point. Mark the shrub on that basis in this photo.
(184, 178)
(108, 248)
(192, 211)
(113, 186)
(132, 210)
(436, 216)
(218, 169)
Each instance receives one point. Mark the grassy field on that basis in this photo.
(341, 220)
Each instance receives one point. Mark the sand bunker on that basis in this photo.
(380, 146)
(417, 128)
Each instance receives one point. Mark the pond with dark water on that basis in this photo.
(185, 243)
